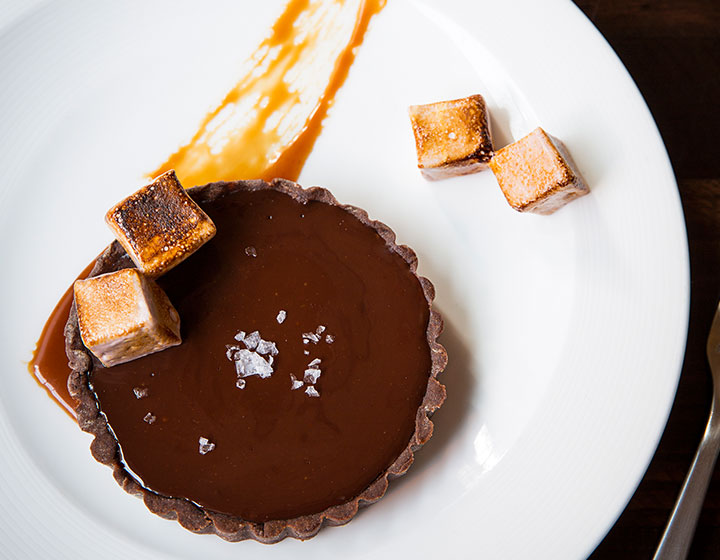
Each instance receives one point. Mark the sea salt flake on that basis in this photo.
(250, 363)
(329, 338)
(255, 359)
(312, 337)
(295, 383)
(251, 251)
(306, 352)
(266, 347)
(140, 392)
(315, 362)
(205, 446)
(149, 418)
(252, 340)
(311, 391)
(320, 329)
(282, 314)
(231, 351)
(311, 375)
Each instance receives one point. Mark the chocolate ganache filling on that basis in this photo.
(338, 302)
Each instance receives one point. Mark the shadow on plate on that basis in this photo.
(500, 127)
(460, 381)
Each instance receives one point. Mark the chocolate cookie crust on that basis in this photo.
(105, 447)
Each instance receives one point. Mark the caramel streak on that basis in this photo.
(291, 161)
(49, 364)
(268, 123)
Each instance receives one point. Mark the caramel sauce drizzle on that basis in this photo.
(265, 127)
(49, 363)
(268, 123)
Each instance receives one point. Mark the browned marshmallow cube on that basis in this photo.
(160, 225)
(451, 137)
(124, 315)
(536, 174)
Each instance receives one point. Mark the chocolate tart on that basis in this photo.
(327, 285)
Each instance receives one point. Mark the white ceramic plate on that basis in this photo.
(565, 333)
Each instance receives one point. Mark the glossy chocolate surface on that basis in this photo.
(278, 453)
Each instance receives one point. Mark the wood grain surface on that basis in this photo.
(672, 50)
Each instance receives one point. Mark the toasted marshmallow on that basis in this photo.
(160, 225)
(536, 174)
(124, 315)
(451, 137)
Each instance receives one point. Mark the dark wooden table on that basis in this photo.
(672, 50)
